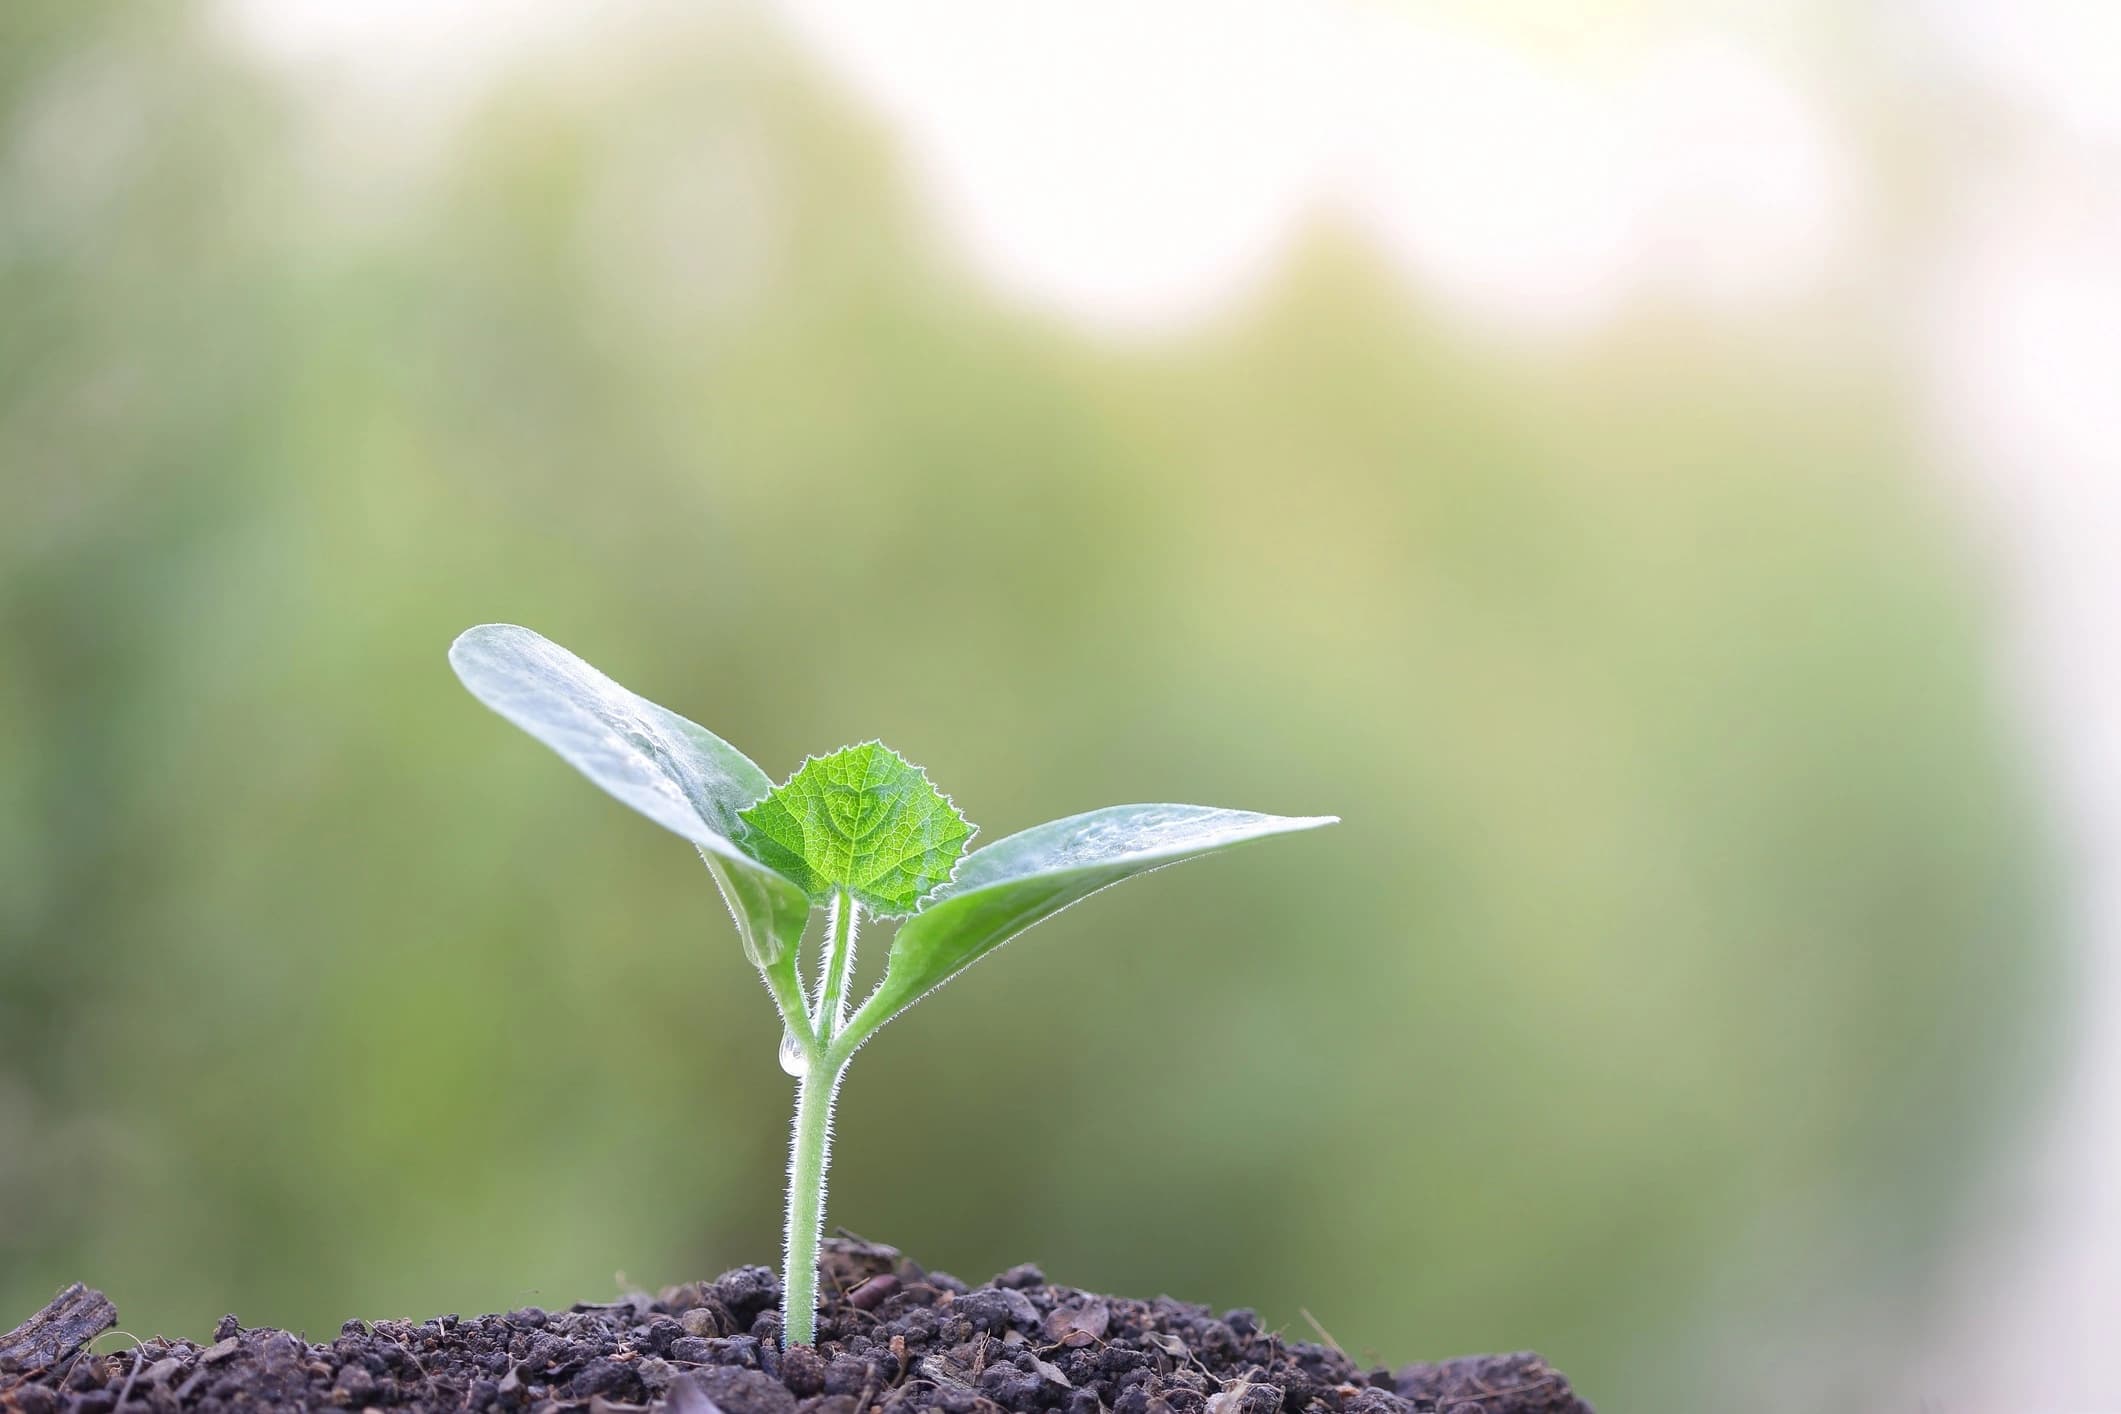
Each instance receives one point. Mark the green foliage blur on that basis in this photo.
(1677, 963)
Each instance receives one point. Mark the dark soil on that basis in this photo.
(892, 1339)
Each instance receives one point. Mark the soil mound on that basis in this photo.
(893, 1338)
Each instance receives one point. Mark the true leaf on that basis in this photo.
(677, 773)
(1025, 879)
(863, 819)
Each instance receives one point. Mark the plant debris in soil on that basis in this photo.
(893, 1338)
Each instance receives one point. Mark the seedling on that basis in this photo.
(860, 833)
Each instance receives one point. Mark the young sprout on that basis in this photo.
(860, 833)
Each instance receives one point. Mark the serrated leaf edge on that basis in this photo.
(964, 845)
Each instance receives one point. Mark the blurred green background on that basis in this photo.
(1679, 960)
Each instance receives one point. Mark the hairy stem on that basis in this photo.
(809, 1154)
(836, 966)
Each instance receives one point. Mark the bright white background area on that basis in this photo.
(1137, 168)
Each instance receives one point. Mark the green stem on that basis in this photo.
(837, 967)
(789, 1000)
(809, 1154)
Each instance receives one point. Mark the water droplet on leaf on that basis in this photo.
(793, 1060)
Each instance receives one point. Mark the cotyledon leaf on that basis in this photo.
(1025, 879)
(677, 773)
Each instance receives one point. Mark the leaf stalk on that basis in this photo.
(788, 999)
(837, 965)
